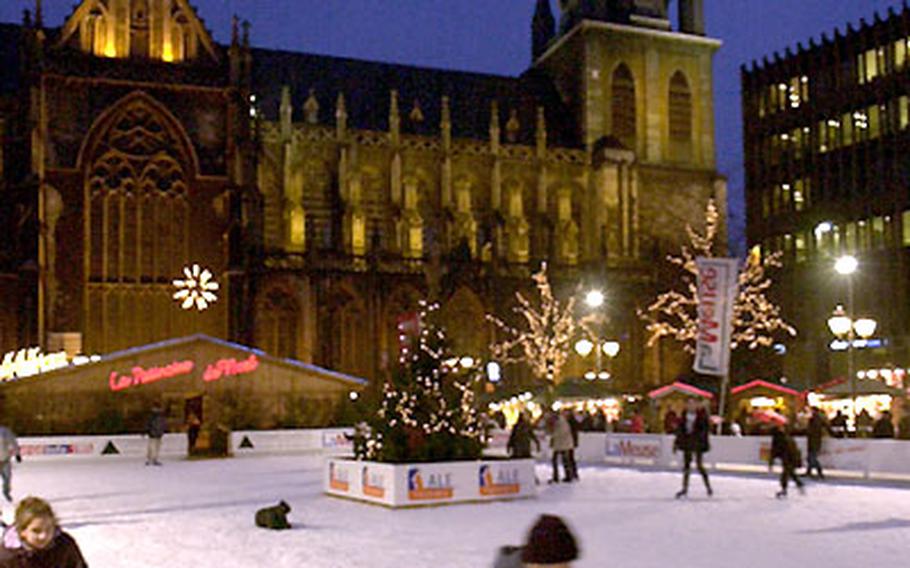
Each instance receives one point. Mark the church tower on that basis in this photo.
(640, 89)
(628, 74)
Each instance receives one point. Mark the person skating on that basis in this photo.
(9, 449)
(35, 540)
(815, 430)
(560, 444)
(519, 445)
(784, 447)
(692, 439)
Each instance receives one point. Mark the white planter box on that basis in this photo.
(436, 483)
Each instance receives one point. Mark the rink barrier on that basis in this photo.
(327, 441)
(429, 484)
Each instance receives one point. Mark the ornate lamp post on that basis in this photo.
(845, 327)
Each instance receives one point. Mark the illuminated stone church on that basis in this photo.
(328, 195)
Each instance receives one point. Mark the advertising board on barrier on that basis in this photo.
(630, 448)
(499, 479)
(435, 485)
(56, 449)
(372, 481)
(338, 440)
(422, 484)
(339, 480)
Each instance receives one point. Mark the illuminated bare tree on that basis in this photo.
(756, 320)
(545, 340)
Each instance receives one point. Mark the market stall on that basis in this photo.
(764, 395)
(872, 396)
(669, 401)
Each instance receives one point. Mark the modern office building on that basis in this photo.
(827, 134)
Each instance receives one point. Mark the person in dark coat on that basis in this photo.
(815, 430)
(692, 439)
(784, 448)
(671, 422)
(572, 465)
(884, 426)
(839, 425)
(519, 445)
(36, 541)
(155, 429)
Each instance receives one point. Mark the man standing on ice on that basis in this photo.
(155, 429)
(692, 439)
(9, 449)
(784, 447)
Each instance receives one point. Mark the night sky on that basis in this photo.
(493, 36)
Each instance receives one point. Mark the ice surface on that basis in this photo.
(200, 513)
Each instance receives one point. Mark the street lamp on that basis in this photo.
(844, 326)
(594, 298)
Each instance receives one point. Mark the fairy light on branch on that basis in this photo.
(756, 320)
(197, 289)
(545, 342)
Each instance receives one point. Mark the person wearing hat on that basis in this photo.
(549, 543)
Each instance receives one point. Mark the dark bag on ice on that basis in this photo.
(508, 557)
(275, 517)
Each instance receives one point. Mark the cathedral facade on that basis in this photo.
(328, 195)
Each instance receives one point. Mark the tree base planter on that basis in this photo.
(434, 483)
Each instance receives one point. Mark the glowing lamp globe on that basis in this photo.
(865, 327)
(846, 264)
(584, 347)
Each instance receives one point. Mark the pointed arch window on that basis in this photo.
(623, 105)
(680, 108)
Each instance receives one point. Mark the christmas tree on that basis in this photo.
(428, 409)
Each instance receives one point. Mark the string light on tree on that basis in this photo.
(197, 289)
(756, 319)
(545, 342)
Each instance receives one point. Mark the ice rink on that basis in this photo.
(200, 513)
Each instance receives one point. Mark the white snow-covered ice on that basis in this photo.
(200, 513)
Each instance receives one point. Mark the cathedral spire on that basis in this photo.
(543, 28)
(39, 18)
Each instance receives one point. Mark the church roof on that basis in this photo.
(366, 86)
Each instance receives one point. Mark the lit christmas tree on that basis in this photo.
(756, 320)
(545, 342)
(428, 410)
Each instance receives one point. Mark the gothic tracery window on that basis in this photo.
(137, 219)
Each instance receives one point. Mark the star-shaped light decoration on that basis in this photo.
(198, 289)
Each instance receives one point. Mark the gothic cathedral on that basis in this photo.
(326, 196)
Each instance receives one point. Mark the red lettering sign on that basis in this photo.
(230, 367)
(142, 376)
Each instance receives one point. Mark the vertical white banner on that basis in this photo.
(717, 289)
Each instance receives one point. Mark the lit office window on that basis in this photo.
(905, 228)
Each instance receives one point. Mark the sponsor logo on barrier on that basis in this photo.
(338, 478)
(55, 449)
(764, 452)
(505, 481)
(436, 485)
(337, 440)
(373, 483)
(633, 449)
